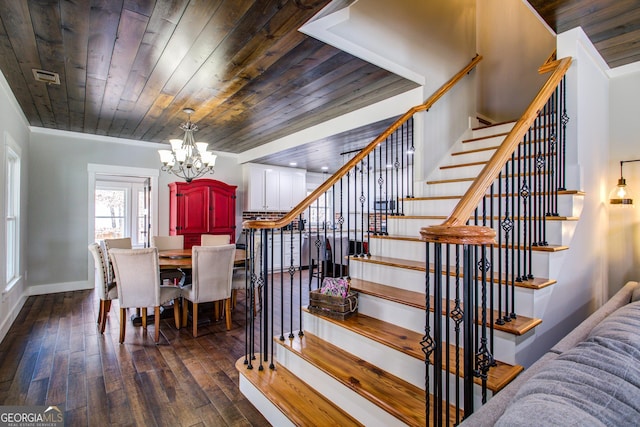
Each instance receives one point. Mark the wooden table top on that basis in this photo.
(181, 258)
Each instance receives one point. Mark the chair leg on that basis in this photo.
(185, 311)
(228, 313)
(156, 318)
(194, 318)
(123, 323)
(216, 310)
(100, 315)
(176, 312)
(144, 318)
(310, 273)
(234, 298)
(105, 310)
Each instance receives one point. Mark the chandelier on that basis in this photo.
(187, 159)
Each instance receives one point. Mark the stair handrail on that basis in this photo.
(464, 209)
(304, 204)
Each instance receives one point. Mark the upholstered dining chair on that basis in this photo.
(138, 277)
(212, 272)
(120, 243)
(106, 290)
(215, 239)
(165, 243)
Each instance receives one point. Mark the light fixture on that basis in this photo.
(621, 195)
(187, 159)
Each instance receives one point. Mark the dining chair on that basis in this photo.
(165, 243)
(212, 272)
(120, 243)
(138, 276)
(106, 290)
(215, 239)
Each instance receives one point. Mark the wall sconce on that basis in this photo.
(621, 194)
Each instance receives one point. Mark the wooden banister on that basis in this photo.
(478, 188)
(296, 211)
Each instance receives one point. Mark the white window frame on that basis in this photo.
(13, 159)
(132, 188)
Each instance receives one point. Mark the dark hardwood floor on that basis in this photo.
(54, 355)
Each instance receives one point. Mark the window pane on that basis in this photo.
(110, 211)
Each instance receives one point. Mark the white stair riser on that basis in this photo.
(411, 280)
(492, 130)
(447, 188)
(359, 407)
(262, 404)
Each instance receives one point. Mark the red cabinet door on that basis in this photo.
(195, 210)
(204, 206)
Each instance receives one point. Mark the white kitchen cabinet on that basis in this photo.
(271, 188)
(282, 255)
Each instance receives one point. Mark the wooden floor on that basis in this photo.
(54, 355)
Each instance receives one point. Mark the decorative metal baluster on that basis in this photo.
(362, 199)
(402, 194)
(251, 289)
(484, 358)
(270, 313)
(492, 272)
(411, 159)
(512, 278)
(368, 200)
(282, 261)
(341, 224)
(525, 192)
(457, 316)
(427, 343)
(447, 358)
(396, 166)
(516, 198)
(292, 272)
(507, 227)
(467, 326)
(380, 196)
(300, 242)
(564, 118)
(376, 230)
(500, 320)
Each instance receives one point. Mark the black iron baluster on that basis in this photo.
(563, 134)
(467, 326)
(457, 316)
(282, 260)
(500, 320)
(412, 151)
(376, 230)
(300, 242)
(447, 368)
(427, 342)
(368, 200)
(512, 197)
(484, 358)
(362, 199)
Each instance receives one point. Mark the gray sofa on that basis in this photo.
(590, 378)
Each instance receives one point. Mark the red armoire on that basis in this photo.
(203, 206)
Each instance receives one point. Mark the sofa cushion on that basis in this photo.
(595, 383)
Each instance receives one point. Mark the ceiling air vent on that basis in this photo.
(48, 77)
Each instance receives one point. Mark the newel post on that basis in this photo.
(468, 236)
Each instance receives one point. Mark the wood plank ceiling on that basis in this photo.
(613, 26)
(128, 68)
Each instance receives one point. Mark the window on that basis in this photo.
(12, 212)
(120, 210)
(321, 211)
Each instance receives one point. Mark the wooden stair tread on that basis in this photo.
(548, 248)
(519, 326)
(481, 138)
(408, 342)
(302, 404)
(406, 402)
(473, 178)
(434, 198)
(535, 283)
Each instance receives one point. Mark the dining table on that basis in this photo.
(181, 259)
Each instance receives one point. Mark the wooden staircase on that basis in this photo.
(369, 369)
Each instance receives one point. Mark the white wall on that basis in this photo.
(514, 42)
(624, 222)
(581, 272)
(427, 41)
(13, 122)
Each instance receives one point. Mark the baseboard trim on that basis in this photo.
(12, 315)
(54, 288)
